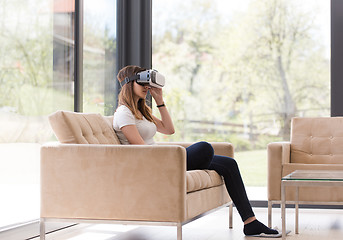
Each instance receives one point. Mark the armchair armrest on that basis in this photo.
(118, 182)
(220, 148)
(278, 154)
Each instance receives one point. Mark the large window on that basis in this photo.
(99, 56)
(28, 93)
(37, 78)
(238, 71)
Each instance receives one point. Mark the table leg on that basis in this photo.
(42, 229)
(270, 209)
(297, 210)
(283, 210)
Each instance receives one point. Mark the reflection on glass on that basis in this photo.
(33, 84)
(37, 78)
(238, 71)
(63, 52)
(99, 56)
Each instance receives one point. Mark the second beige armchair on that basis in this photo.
(315, 144)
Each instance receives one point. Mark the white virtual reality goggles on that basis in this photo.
(150, 78)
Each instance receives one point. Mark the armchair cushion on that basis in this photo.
(202, 179)
(317, 140)
(82, 128)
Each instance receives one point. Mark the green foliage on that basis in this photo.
(258, 69)
(28, 61)
(240, 143)
(37, 101)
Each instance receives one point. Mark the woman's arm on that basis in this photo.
(165, 124)
(132, 135)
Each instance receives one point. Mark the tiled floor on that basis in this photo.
(314, 224)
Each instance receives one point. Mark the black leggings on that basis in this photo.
(201, 156)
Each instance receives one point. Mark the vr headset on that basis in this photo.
(149, 77)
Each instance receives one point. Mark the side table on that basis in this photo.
(301, 178)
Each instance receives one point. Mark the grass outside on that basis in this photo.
(253, 167)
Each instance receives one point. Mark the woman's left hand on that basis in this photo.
(157, 94)
(165, 124)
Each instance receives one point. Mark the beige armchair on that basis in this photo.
(315, 144)
(89, 177)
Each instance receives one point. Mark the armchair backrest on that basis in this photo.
(317, 140)
(83, 128)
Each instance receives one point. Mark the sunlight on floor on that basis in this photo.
(314, 224)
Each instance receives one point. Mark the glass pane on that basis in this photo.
(99, 56)
(238, 71)
(36, 70)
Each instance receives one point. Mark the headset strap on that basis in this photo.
(129, 79)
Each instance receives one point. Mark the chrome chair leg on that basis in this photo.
(270, 209)
(42, 229)
(179, 231)
(230, 215)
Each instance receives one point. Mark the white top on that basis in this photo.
(123, 117)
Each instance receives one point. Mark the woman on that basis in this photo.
(135, 124)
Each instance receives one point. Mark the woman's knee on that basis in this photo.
(199, 155)
(206, 148)
(233, 163)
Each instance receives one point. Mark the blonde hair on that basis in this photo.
(126, 95)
